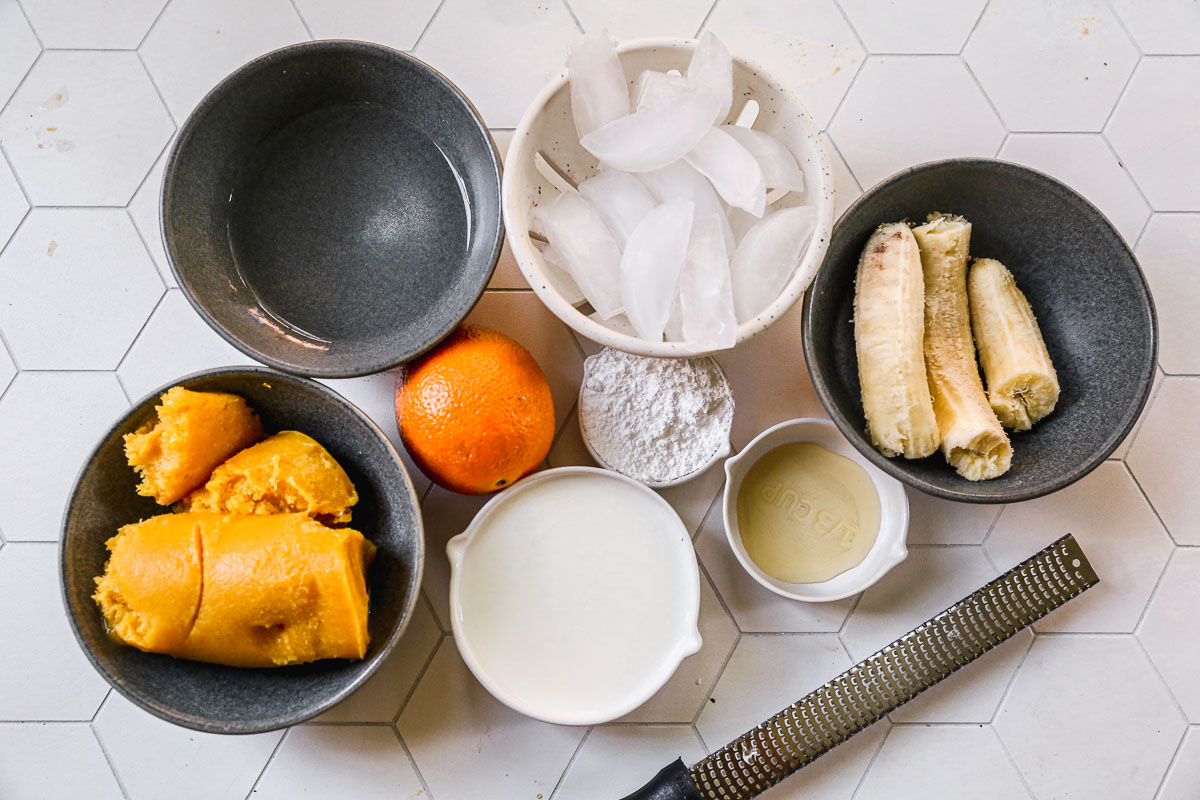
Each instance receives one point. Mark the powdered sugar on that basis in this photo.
(655, 420)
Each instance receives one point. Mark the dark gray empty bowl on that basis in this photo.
(1081, 278)
(333, 208)
(210, 697)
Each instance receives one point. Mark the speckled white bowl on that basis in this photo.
(548, 127)
(890, 544)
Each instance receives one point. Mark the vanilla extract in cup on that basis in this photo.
(807, 514)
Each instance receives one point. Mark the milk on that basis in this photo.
(577, 595)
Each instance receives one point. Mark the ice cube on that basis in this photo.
(705, 293)
(711, 70)
(651, 264)
(651, 88)
(654, 137)
(679, 181)
(739, 222)
(674, 330)
(556, 267)
(767, 256)
(621, 199)
(599, 93)
(779, 167)
(587, 249)
(732, 169)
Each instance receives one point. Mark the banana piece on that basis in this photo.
(888, 335)
(972, 439)
(1021, 382)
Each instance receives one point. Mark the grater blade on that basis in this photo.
(806, 730)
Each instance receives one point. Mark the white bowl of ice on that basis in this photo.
(548, 128)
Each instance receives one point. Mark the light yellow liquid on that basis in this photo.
(807, 514)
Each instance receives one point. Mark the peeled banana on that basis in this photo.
(972, 439)
(1022, 386)
(888, 335)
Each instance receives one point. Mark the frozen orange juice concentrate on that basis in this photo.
(806, 514)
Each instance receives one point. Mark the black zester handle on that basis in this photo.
(862, 695)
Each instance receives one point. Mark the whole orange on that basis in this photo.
(475, 413)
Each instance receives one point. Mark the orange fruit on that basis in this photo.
(475, 413)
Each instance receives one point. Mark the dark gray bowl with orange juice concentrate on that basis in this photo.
(333, 208)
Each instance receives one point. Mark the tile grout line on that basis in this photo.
(1124, 29)
(988, 98)
(270, 760)
(837, 110)
(158, 91)
(707, 17)
(29, 22)
(1013, 762)
(1141, 620)
(1162, 783)
(417, 680)
(1166, 528)
(832, 144)
(412, 760)
(705, 701)
(1012, 679)
(974, 27)
(571, 761)
(987, 536)
(146, 177)
(303, 21)
(1161, 678)
(161, 298)
(21, 84)
(853, 31)
(112, 767)
(416, 42)
(20, 186)
(862, 780)
(1121, 163)
(153, 25)
(579, 25)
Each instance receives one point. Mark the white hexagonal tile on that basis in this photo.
(446, 515)
(690, 500)
(933, 520)
(1167, 253)
(913, 26)
(805, 43)
(879, 132)
(381, 697)
(1171, 630)
(929, 581)
(1165, 457)
(94, 24)
(196, 43)
(629, 19)
(84, 128)
(32, 764)
(768, 673)
(686, 691)
(469, 745)
(1171, 27)
(12, 203)
(754, 608)
(157, 759)
(765, 391)
(515, 49)
(8, 369)
(1084, 162)
(46, 675)
(522, 316)
(174, 343)
(49, 421)
(1154, 132)
(618, 759)
(1051, 66)
(19, 45)
(1183, 779)
(146, 211)
(376, 396)
(1088, 717)
(916, 763)
(1116, 528)
(845, 188)
(77, 286)
(340, 761)
(382, 21)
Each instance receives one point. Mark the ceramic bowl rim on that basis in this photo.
(362, 366)
(689, 640)
(893, 530)
(894, 467)
(523, 249)
(126, 689)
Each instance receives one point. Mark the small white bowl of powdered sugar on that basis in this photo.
(660, 421)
